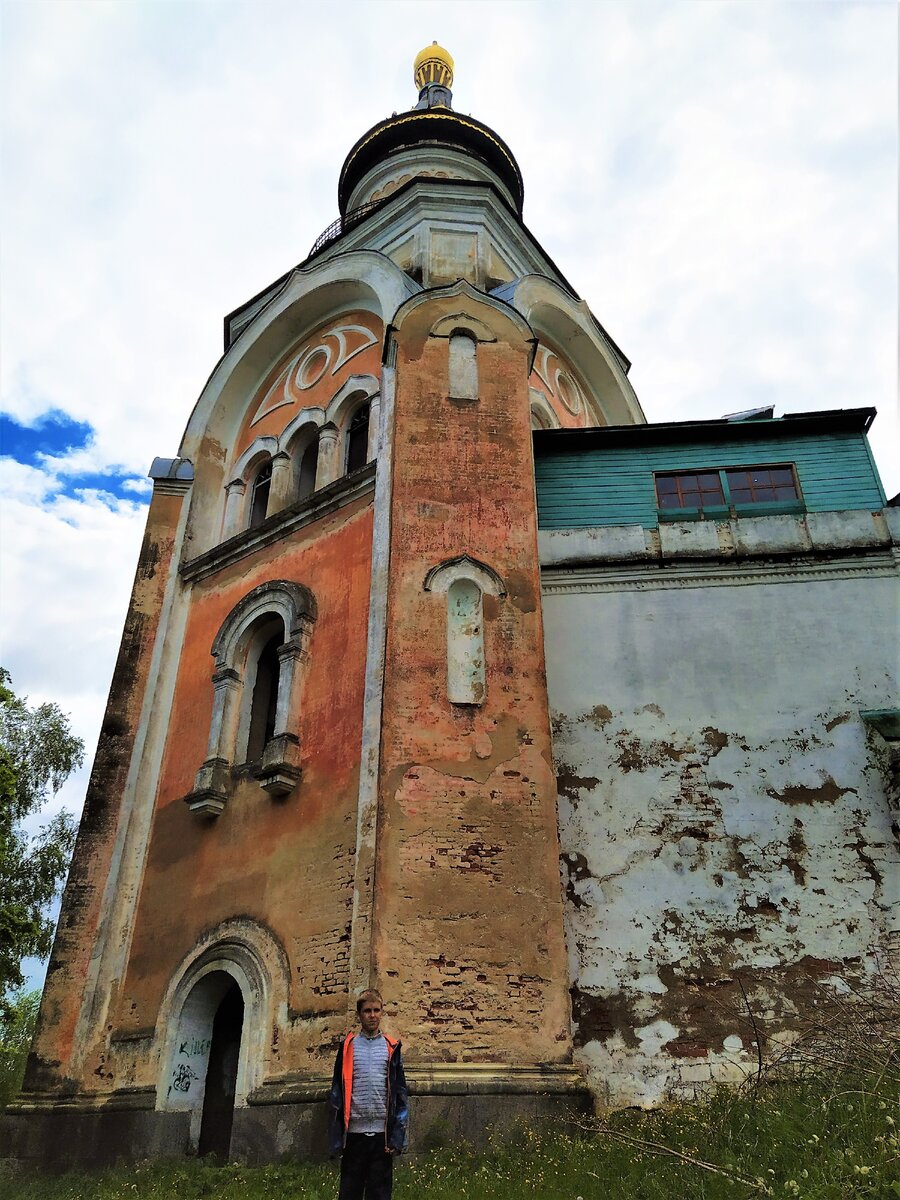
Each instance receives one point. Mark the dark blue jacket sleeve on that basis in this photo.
(336, 1107)
(398, 1126)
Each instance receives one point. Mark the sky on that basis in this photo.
(717, 180)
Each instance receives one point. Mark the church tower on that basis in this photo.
(326, 758)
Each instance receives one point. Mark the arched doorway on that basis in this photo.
(221, 1075)
(206, 1074)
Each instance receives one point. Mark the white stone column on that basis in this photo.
(374, 428)
(227, 686)
(282, 484)
(212, 781)
(234, 507)
(328, 468)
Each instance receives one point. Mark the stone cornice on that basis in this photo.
(492, 1079)
(442, 1079)
(281, 525)
(651, 576)
(136, 1099)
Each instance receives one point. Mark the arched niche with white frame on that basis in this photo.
(300, 443)
(463, 332)
(463, 581)
(239, 952)
(282, 612)
(358, 393)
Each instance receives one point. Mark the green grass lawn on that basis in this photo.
(807, 1140)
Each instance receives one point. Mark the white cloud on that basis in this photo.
(716, 179)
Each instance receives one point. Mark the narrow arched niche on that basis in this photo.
(464, 582)
(357, 453)
(463, 365)
(259, 495)
(263, 669)
(465, 643)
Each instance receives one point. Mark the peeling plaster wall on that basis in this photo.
(67, 988)
(723, 817)
(467, 844)
(285, 866)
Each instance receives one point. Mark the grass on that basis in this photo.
(808, 1139)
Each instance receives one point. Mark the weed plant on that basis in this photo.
(798, 1139)
(820, 1121)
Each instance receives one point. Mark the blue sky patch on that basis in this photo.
(121, 486)
(52, 433)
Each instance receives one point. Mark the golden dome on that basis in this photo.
(433, 65)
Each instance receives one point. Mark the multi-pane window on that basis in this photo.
(690, 491)
(727, 488)
(760, 485)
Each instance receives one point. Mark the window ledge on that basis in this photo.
(304, 512)
(722, 512)
(279, 771)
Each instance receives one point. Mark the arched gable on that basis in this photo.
(362, 281)
(459, 307)
(568, 327)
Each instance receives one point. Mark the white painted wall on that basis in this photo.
(722, 806)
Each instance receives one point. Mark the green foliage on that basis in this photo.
(38, 751)
(796, 1140)
(16, 1029)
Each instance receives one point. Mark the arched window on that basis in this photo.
(260, 653)
(306, 472)
(264, 698)
(358, 439)
(463, 368)
(259, 495)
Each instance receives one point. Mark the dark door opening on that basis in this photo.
(221, 1076)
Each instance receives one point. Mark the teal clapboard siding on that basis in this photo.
(614, 485)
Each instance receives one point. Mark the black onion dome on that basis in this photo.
(430, 127)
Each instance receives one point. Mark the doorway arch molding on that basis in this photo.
(248, 952)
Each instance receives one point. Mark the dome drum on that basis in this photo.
(429, 132)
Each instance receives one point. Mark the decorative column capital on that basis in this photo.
(226, 678)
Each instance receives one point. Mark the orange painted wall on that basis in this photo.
(467, 851)
(287, 864)
(563, 387)
(326, 359)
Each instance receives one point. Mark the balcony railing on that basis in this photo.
(341, 226)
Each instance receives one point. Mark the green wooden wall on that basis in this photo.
(614, 485)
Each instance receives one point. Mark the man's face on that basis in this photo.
(370, 1016)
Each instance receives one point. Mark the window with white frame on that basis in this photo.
(260, 654)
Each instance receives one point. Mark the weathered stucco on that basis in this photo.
(287, 865)
(467, 845)
(67, 990)
(727, 851)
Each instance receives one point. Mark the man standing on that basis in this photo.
(369, 1112)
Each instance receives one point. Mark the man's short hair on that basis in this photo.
(368, 994)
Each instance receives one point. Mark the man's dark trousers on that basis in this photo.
(366, 1168)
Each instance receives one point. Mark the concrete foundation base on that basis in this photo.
(284, 1123)
(64, 1139)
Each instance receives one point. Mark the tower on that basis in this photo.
(326, 760)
